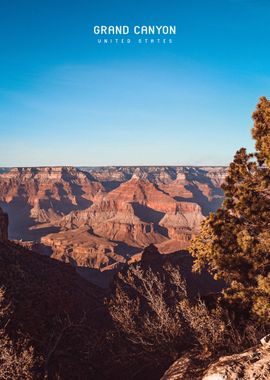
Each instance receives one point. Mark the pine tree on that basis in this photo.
(234, 242)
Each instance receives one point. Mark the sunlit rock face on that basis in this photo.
(101, 217)
(249, 365)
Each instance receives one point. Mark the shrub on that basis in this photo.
(16, 358)
(153, 313)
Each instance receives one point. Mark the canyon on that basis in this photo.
(54, 324)
(100, 218)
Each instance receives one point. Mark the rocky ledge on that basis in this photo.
(249, 365)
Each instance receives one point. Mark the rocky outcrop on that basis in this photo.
(82, 248)
(3, 226)
(150, 255)
(197, 283)
(249, 365)
(184, 221)
(47, 192)
(137, 214)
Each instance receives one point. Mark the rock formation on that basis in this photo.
(80, 246)
(249, 365)
(252, 364)
(98, 217)
(47, 192)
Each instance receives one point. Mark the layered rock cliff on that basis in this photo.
(47, 192)
(98, 217)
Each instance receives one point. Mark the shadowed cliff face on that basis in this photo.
(86, 216)
(49, 308)
(43, 195)
(3, 226)
(59, 313)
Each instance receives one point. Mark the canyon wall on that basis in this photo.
(3, 226)
(100, 217)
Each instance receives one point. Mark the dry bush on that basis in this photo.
(16, 358)
(152, 311)
(140, 310)
(53, 354)
(215, 331)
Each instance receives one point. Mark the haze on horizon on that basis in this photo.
(65, 100)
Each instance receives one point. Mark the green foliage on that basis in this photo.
(261, 130)
(234, 242)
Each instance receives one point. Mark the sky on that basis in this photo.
(67, 100)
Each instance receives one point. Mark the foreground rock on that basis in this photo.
(3, 226)
(253, 364)
(249, 365)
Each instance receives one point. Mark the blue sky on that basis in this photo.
(65, 100)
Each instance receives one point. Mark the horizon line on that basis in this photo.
(111, 166)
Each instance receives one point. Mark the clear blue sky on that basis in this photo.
(64, 99)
